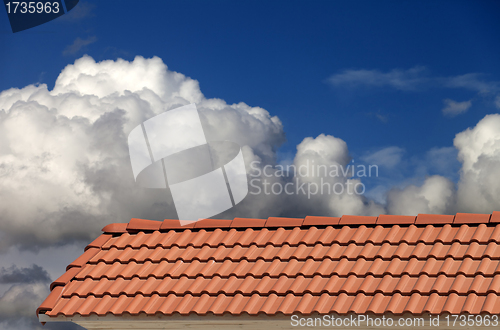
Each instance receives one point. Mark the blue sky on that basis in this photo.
(411, 86)
(298, 59)
(280, 54)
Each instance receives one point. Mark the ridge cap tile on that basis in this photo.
(168, 224)
(136, 224)
(471, 218)
(389, 219)
(248, 223)
(434, 219)
(283, 222)
(115, 228)
(495, 217)
(320, 221)
(213, 223)
(357, 220)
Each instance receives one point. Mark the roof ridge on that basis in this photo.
(136, 225)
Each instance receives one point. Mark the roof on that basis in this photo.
(398, 264)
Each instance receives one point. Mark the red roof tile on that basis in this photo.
(385, 219)
(431, 219)
(428, 264)
(320, 221)
(461, 218)
(357, 220)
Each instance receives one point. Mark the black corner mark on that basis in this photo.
(24, 15)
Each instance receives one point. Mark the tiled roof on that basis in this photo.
(397, 264)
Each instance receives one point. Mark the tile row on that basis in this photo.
(273, 304)
(283, 285)
(292, 268)
(383, 219)
(352, 251)
(310, 236)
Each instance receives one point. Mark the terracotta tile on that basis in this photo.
(318, 268)
(464, 234)
(248, 223)
(142, 224)
(65, 278)
(99, 241)
(491, 304)
(377, 235)
(411, 234)
(84, 258)
(283, 222)
(495, 217)
(482, 233)
(433, 219)
(446, 234)
(470, 218)
(395, 234)
(357, 220)
(320, 221)
(434, 304)
(428, 234)
(210, 238)
(115, 228)
(212, 223)
(295, 236)
(386, 219)
(361, 234)
(175, 224)
(51, 300)
(278, 236)
(261, 237)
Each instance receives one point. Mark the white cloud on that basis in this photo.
(470, 81)
(479, 152)
(454, 108)
(399, 79)
(78, 44)
(326, 150)
(412, 79)
(435, 196)
(478, 188)
(387, 157)
(63, 153)
(23, 299)
(66, 171)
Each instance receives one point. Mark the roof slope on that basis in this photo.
(397, 264)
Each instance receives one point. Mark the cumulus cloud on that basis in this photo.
(478, 187)
(78, 44)
(479, 153)
(31, 274)
(332, 153)
(64, 158)
(435, 196)
(454, 108)
(18, 306)
(66, 171)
